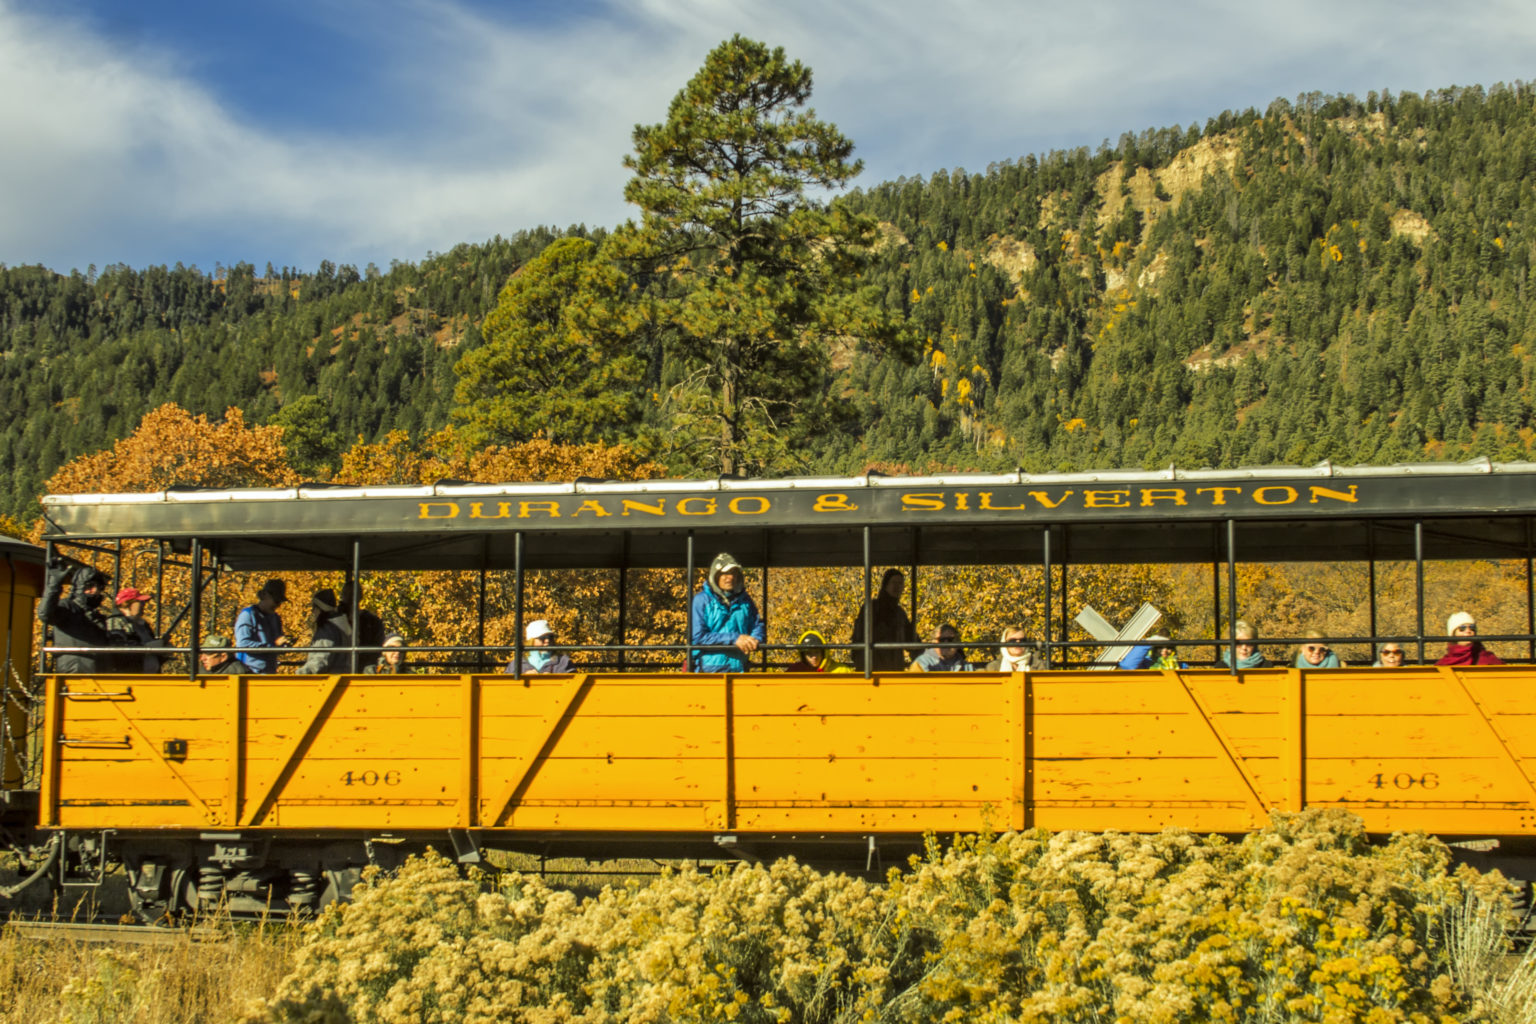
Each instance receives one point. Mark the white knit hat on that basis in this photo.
(1457, 621)
(538, 628)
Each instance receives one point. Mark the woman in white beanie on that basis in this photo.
(1464, 650)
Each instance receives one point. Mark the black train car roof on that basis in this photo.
(1322, 513)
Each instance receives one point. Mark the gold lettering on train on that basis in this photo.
(591, 505)
(1329, 492)
(961, 500)
(923, 501)
(1220, 493)
(503, 511)
(739, 505)
(1289, 492)
(987, 506)
(525, 509)
(428, 506)
(1107, 499)
(1152, 494)
(630, 505)
(709, 507)
(1045, 499)
(833, 503)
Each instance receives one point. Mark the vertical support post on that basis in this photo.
(355, 591)
(623, 603)
(159, 585)
(117, 565)
(1370, 551)
(196, 627)
(764, 649)
(1045, 543)
(1293, 728)
(1216, 589)
(517, 605)
(688, 663)
(1232, 591)
(1065, 626)
(231, 816)
(1418, 584)
(869, 611)
(1530, 599)
(469, 744)
(485, 554)
(913, 560)
(47, 632)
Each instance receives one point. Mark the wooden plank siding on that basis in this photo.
(1447, 751)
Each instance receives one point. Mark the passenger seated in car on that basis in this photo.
(813, 655)
(536, 659)
(1157, 652)
(1017, 655)
(1391, 655)
(1248, 653)
(1464, 650)
(392, 659)
(948, 656)
(1316, 654)
(217, 658)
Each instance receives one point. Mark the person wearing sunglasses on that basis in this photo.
(1316, 654)
(1465, 648)
(947, 656)
(1391, 655)
(538, 659)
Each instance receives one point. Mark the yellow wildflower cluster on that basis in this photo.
(1303, 921)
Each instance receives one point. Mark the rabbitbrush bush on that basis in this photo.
(1302, 921)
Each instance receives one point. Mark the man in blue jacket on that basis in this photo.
(725, 615)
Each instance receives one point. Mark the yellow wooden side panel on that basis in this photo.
(1452, 752)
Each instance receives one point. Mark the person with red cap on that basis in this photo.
(135, 631)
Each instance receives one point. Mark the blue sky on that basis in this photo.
(291, 131)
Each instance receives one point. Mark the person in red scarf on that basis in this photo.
(1464, 650)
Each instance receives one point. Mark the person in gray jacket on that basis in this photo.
(948, 656)
(537, 660)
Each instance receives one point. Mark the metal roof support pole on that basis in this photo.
(764, 649)
(1370, 566)
(355, 587)
(688, 607)
(1066, 652)
(42, 648)
(1216, 588)
(917, 543)
(869, 612)
(517, 604)
(1530, 598)
(485, 546)
(159, 584)
(117, 565)
(1045, 547)
(623, 602)
(1232, 590)
(1418, 583)
(196, 628)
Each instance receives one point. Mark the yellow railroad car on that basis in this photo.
(273, 790)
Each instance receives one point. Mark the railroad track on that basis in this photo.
(101, 933)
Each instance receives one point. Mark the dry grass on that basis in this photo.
(186, 981)
(1501, 984)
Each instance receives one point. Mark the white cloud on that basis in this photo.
(126, 154)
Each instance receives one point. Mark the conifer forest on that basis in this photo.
(1333, 277)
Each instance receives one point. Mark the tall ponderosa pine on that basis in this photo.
(752, 281)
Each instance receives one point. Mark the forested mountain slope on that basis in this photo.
(1331, 278)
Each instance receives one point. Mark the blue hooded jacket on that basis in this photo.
(719, 618)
